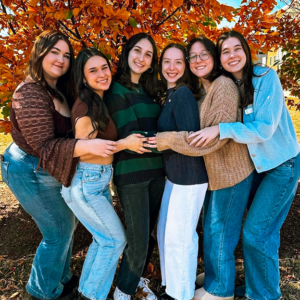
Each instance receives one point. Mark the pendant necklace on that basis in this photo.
(239, 82)
(138, 88)
(168, 98)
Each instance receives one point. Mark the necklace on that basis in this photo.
(239, 82)
(168, 98)
(138, 88)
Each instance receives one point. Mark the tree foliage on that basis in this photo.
(107, 24)
(289, 31)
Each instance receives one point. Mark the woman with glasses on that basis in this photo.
(186, 183)
(267, 131)
(229, 167)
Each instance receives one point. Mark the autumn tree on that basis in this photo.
(107, 25)
(289, 30)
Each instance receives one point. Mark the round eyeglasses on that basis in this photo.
(204, 55)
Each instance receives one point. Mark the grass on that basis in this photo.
(14, 272)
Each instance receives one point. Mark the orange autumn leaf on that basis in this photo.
(109, 24)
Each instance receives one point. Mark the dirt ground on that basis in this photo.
(19, 238)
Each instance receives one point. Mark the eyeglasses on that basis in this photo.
(204, 55)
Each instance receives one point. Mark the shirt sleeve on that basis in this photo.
(267, 110)
(33, 108)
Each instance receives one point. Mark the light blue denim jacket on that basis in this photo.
(267, 130)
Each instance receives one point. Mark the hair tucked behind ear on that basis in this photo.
(97, 110)
(148, 80)
(65, 83)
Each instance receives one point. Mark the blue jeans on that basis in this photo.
(90, 200)
(39, 194)
(261, 232)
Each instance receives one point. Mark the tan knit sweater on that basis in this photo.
(226, 161)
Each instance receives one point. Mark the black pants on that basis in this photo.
(141, 204)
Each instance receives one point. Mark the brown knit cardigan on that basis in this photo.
(226, 161)
(34, 131)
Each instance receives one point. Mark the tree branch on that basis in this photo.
(9, 23)
(74, 23)
(68, 29)
(134, 4)
(292, 5)
(10, 61)
(88, 38)
(23, 6)
(168, 17)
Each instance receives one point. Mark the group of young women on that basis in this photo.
(224, 140)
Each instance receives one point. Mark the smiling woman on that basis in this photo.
(89, 196)
(41, 133)
(139, 178)
(186, 183)
(56, 62)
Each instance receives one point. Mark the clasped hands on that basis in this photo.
(199, 138)
(139, 144)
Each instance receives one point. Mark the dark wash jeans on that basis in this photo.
(141, 204)
(270, 198)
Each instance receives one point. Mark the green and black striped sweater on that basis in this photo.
(131, 111)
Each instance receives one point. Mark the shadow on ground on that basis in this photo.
(19, 238)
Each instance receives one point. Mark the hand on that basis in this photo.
(152, 142)
(103, 148)
(204, 136)
(134, 142)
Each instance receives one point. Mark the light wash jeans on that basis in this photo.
(39, 194)
(90, 200)
(178, 239)
(261, 232)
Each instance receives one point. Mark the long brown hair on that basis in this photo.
(100, 115)
(248, 72)
(149, 79)
(65, 84)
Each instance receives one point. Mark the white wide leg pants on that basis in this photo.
(178, 239)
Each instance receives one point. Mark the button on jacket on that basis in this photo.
(268, 131)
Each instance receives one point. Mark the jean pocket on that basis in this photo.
(4, 171)
(93, 176)
(285, 170)
(94, 184)
(288, 164)
(66, 194)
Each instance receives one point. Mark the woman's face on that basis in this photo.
(140, 59)
(57, 61)
(233, 57)
(203, 65)
(173, 66)
(97, 74)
